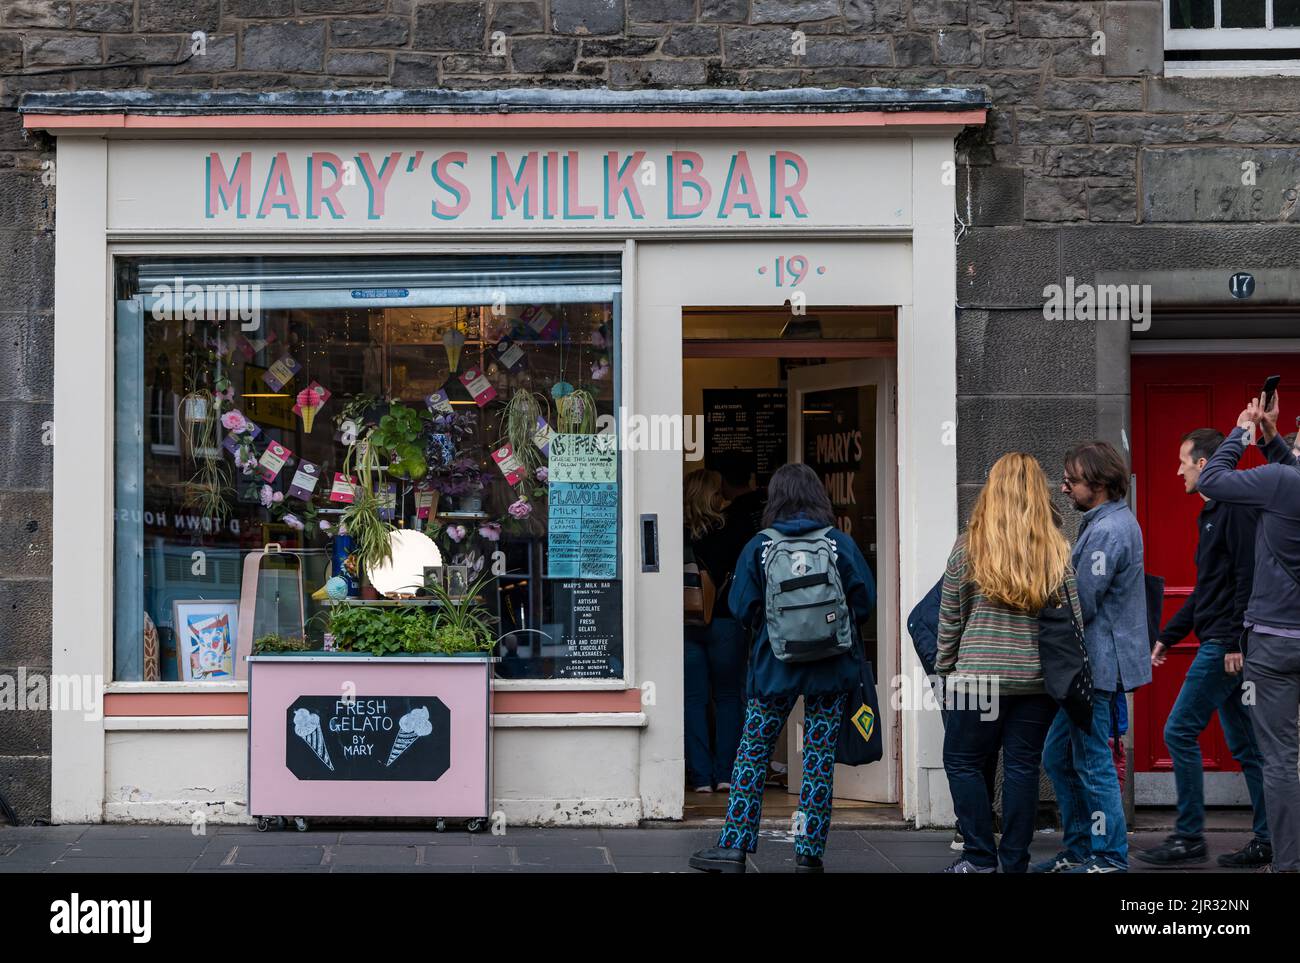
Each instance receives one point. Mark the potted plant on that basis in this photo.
(361, 519)
(462, 623)
(381, 630)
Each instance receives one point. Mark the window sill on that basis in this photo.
(172, 688)
(1224, 69)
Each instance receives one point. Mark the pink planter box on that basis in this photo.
(355, 735)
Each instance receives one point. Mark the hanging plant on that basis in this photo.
(575, 413)
(524, 412)
(209, 486)
(362, 520)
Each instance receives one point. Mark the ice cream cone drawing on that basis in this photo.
(310, 401)
(307, 725)
(409, 728)
(453, 340)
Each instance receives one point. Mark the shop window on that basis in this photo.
(1232, 37)
(473, 399)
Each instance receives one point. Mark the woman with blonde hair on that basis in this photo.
(1009, 564)
(713, 653)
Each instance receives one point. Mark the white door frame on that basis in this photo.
(877, 782)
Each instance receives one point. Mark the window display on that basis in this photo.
(434, 435)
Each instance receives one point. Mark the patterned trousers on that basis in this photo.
(763, 721)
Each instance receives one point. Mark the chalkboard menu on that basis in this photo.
(379, 738)
(590, 614)
(748, 421)
(582, 530)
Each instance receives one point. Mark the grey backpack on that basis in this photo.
(807, 614)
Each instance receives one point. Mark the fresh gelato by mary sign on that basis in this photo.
(369, 738)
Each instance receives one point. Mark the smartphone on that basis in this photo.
(1270, 386)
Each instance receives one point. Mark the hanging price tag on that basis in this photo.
(304, 481)
(341, 490)
(281, 373)
(509, 464)
(540, 321)
(477, 384)
(542, 436)
(273, 459)
(511, 355)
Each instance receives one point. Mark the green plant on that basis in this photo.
(368, 530)
(208, 487)
(463, 624)
(282, 643)
(381, 629)
(400, 434)
(575, 413)
(523, 412)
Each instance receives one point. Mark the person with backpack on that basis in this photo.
(801, 588)
(1272, 617)
(714, 644)
(1009, 564)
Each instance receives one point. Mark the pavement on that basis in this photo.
(237, 849)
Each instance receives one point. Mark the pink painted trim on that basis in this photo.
(236, 703)
(520, 121)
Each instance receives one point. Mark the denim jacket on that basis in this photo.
(1112, 593)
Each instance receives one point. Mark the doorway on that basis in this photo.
(772, 386)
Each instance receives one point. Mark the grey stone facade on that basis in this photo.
(1092, 162)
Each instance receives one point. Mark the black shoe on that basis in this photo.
(1254, 854)
(719, 859)
(1174, 851)
(808, 864)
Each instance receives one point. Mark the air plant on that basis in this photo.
(207, 489)
(525, 412)
(370, 533)
(575, 413)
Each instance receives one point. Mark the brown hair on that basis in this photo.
(1101, 466)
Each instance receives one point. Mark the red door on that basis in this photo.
(1172, 395)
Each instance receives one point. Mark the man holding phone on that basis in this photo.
(1215, 611)
(1272, 617)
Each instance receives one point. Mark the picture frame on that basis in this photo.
(206, 632)
(435, 575)
(457, 580)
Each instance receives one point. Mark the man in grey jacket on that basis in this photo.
(1272, 614)
(1107, 562)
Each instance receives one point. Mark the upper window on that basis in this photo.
(324, 404)
(1232, 37)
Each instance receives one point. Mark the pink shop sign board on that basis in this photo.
(358, 736)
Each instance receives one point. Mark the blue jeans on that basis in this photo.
(970, 745)
(1207, 688)
(715, 665)
(1082, 770)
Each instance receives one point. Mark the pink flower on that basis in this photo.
(266, 496)
(520, 508)
(490, 530)
(456, 533)
(324, 525)
(234, 420)
(277, 497)
(543, 474)
(293, 522)
(600, 371)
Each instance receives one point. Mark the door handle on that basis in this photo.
(650, 543)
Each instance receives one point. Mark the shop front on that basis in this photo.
(285, 333)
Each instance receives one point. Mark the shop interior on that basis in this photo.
(739, 364)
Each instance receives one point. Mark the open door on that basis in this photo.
(841, 422)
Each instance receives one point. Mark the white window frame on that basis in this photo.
(1228, 39)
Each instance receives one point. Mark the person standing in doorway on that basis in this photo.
(1272, 618)
(1107, 561)
(797, 508)
(1215, 611)
(1002, 571)
(714, 652)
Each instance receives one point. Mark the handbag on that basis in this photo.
(1067, 673)
(860, 741)
(698, 592)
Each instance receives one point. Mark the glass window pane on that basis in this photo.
(1286, 13)
(1243, 13)
(245, 386)
(1187, 14)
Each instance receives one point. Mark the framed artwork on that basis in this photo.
(205, 638)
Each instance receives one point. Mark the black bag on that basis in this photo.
(1067, 674)
(860, 741)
